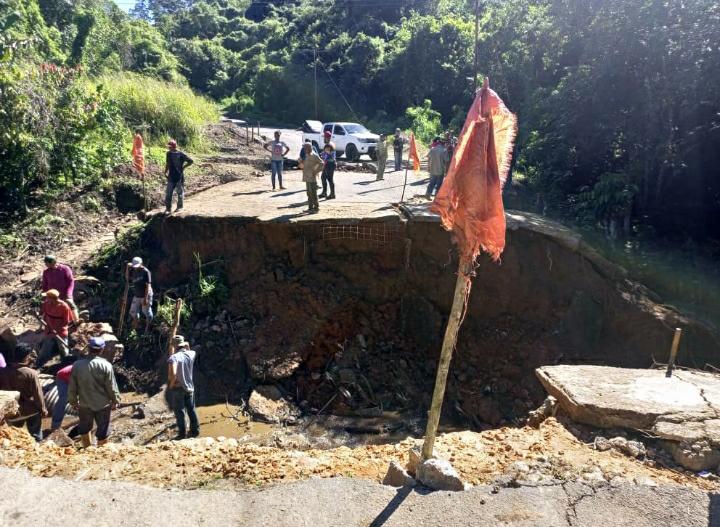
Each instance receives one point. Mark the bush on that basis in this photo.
(58, 132)
(425, 122)
(167, 110)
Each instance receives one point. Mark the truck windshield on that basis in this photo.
(353, 128)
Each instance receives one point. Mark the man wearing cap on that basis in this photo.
(18, 376)
(181, 390)
(141, 281)
(93, 391)
(60, 277)
(57, 317)
(278, 150)
(175, 164)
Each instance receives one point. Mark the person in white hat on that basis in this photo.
(141, 281)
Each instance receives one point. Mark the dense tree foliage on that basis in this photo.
(63, 119)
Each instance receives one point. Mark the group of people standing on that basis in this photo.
(86, 380)
(314, 161)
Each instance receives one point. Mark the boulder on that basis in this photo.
(439, 474)
(267, 404)
(398, 477)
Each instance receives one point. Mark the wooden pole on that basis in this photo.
(176, 323)
(673, 352)
(144, 193)
(402, 198)
(123, 300)
(462, 286)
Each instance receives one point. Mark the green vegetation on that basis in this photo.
(114, 255)
(161, 109)
(211, 292)
(75, 79)
(166, 311)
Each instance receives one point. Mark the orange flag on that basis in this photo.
(138, 154)
(413, 156)
(470, 200)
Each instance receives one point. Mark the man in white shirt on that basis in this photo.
(181, 390)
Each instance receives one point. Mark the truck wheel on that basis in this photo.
(373, 155)
(351, 153)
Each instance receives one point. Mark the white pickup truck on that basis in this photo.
(351, 139)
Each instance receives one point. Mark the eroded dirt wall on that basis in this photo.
(365, 308)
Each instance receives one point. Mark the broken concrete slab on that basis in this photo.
(682, 408)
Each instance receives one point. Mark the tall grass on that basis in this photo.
(163, 110)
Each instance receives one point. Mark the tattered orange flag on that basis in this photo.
(138, 154)
(470, 199)
(413, 156)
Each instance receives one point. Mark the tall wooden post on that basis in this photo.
(462, 286)
(176, 323)
(123, 300)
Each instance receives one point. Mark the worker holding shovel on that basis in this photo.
(56, 318)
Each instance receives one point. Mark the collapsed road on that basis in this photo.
(341, 313)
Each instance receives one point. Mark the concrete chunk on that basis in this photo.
(439, 474)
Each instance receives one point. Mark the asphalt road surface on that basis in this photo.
(27, 501)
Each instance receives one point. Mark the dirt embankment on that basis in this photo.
(319, 313)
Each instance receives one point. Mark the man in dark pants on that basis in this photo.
(17, 376)
(329, 158)
(93, 391)
(398, 145)
(175, 164)
(181, 390)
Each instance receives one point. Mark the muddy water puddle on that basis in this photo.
(218, 420)
(327, 431)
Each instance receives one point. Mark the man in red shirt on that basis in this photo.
(60, 277)
(57, 316)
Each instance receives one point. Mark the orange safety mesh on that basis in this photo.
(470, 200)
(138, 154)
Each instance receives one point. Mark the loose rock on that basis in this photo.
(439, 474)
(398, 477)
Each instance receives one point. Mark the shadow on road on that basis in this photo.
(294, 205)
(714, 510)
(283, 194)
(391, 507)
(253, 193)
